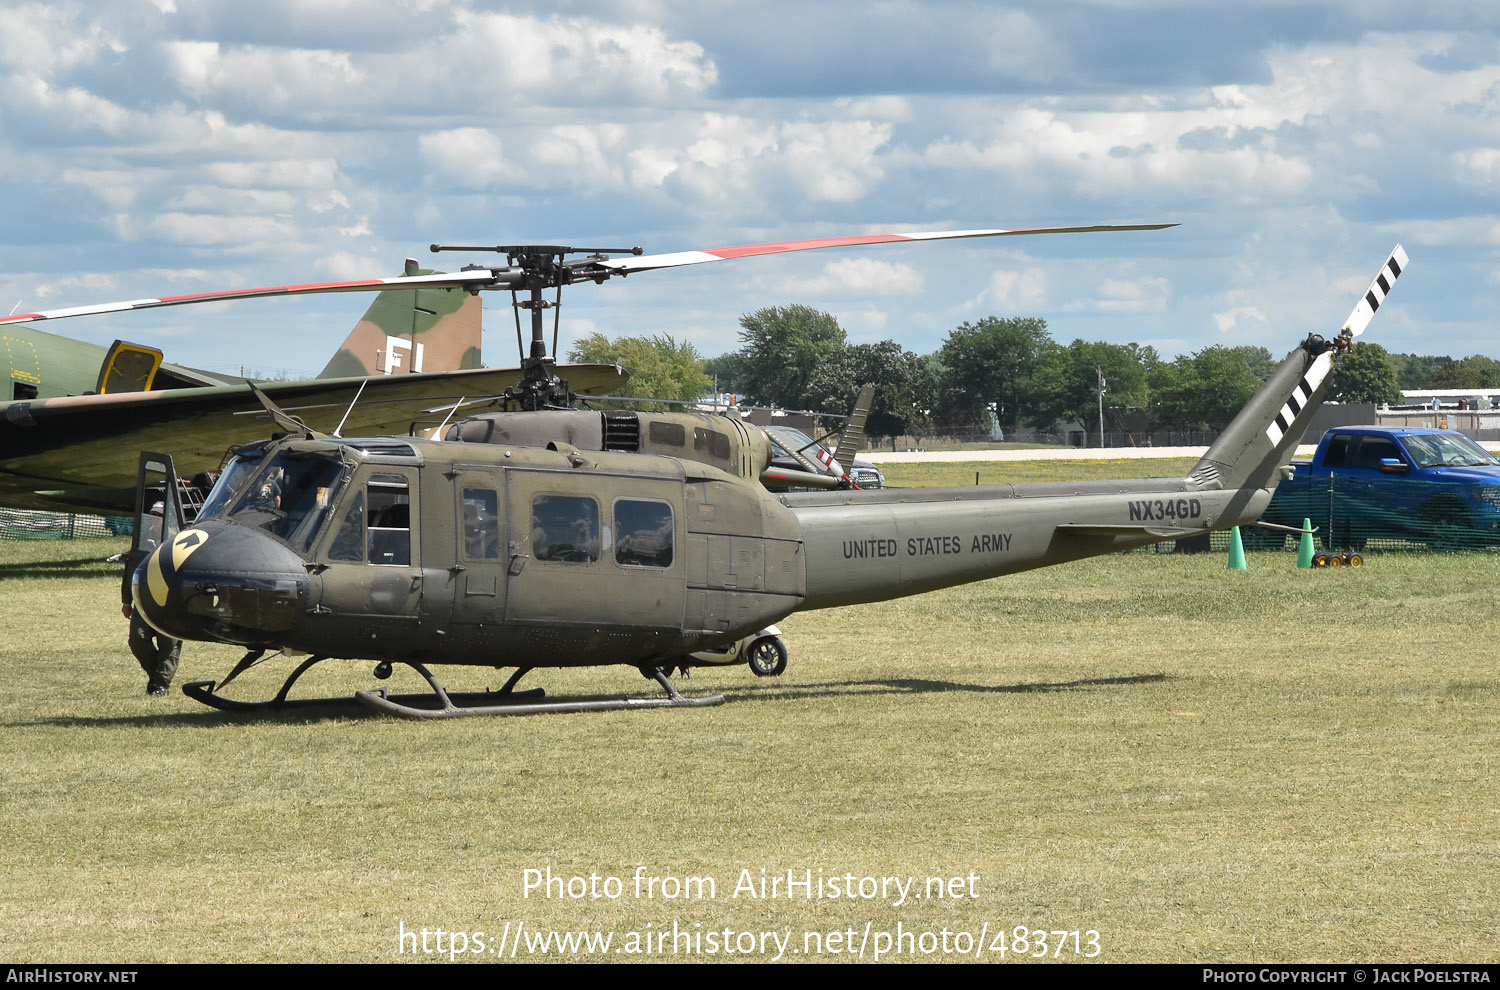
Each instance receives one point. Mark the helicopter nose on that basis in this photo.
(221, 582)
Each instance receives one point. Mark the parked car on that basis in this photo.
(865, 474)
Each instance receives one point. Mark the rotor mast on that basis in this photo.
(531, 269)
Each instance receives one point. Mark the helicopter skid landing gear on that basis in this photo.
(394, 705)
(203, 691)
(506, 701)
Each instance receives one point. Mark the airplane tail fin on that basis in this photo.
(1252, 449)
(411, 330)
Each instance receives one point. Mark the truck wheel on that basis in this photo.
(1355, 560)
(1448, 526)
(1347, 539)
(767, 657)
(1320, 560)
(1334, 560)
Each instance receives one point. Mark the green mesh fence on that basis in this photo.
(1381, 512)
(1374, 514)
(19, 524)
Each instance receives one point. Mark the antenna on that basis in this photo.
(338, 431)
(439, 428)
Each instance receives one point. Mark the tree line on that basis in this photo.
(1005, 370)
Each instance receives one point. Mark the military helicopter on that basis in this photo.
(545, 535)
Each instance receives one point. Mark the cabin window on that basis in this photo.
(565, 528)
(389, 520)
(667, 434)
(711, 442)
(643, 533)
(481, 524)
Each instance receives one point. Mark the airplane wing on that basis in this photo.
(80, 452)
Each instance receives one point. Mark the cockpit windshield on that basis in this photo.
(238, 474)
(288, 495)
(1438, 449)
(807, 449)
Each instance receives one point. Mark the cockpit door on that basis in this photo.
(158, 510)
(372, 567)
(478, 577)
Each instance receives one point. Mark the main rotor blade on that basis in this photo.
(458, 280)
(651, 261)
(1365, 309)
(591, 269)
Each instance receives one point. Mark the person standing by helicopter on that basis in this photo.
(157, 653)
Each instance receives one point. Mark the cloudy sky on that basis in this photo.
(156, 147)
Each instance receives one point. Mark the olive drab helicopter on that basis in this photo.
(540, 533)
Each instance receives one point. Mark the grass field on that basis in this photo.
(936, 473)
(1199, 765)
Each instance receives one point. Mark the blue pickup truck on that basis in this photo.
(1411, 484)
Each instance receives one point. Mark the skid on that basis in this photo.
(395, 705)
(441, 703)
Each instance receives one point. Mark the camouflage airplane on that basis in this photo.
(78, 414)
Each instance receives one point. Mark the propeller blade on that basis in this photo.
(1365, 309)
(651, 261)
(457, 280)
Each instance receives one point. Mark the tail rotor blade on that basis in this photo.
(1365, 309)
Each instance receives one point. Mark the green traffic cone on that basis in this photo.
(1305, 546)
(1236, 551)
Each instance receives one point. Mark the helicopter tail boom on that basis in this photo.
(866, 546)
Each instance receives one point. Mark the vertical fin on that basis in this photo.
(412, 330)
(853, 437)
(1252, 448)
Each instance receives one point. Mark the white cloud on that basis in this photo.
(896, 109)
(90, 284)
(584, 57)
(1478, 166)
(1144, 295)
(278, 78)
(1229, 319)
(837, 161)
(231, 232)
(298, 173)
(472, 157)
(43, 39)
(1013, 290)
(507, 57)
(866, 325)
(1460, 231)
(856, 276)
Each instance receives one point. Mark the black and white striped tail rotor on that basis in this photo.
(1322, 365)
(1393, 267)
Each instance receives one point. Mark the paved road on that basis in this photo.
(1061, 454)
(1039, 454)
